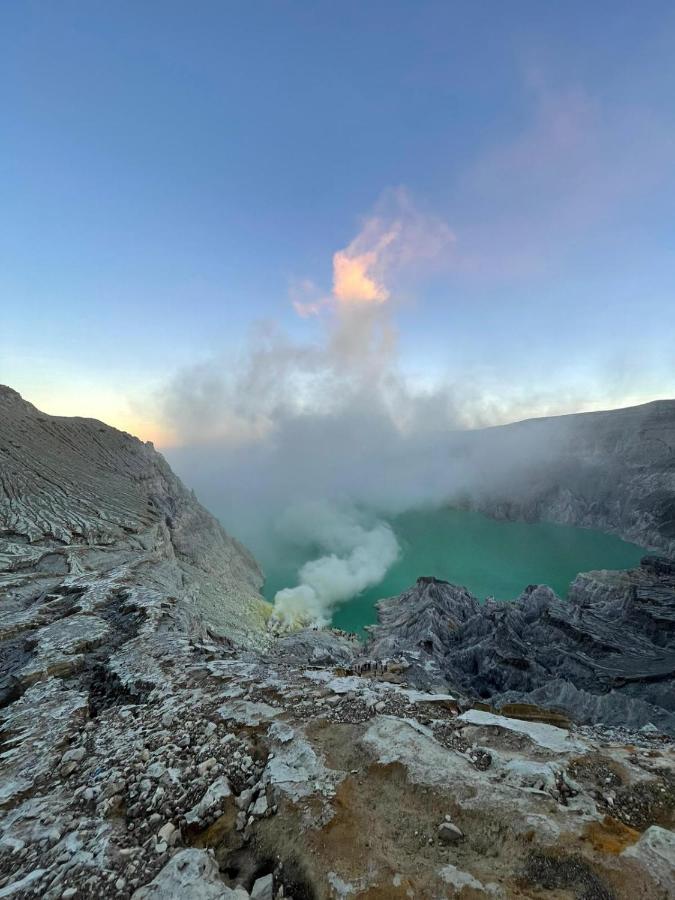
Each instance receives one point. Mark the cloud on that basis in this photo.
(577, 163)
(335, 424)
(351, 281)
(396, 236)
(294, 425)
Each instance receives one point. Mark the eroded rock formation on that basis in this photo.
(606, 654)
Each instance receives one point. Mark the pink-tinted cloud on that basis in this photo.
(577, 164)
(395, 237)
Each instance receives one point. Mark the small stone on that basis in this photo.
(68, 893)
(166, 831)
(263, 888)
(244, 799)
(380, 706)
(260, 806)
(449, 833)
(207, 765)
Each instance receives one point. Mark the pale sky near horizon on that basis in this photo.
(499, 177)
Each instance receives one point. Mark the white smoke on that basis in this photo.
(361, 555)
(333, 423)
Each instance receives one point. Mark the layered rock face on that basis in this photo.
(606, 654)
(614, 471)
(156, 742)
(93, 520)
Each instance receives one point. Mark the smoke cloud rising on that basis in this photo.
(359, 557)
(321, 433)
(332, 433)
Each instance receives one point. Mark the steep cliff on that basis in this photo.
(609, 470)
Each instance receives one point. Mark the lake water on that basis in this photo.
(490, 558)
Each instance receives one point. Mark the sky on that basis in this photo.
(212, 210)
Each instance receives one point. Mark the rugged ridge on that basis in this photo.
(606, 654)
(611, 470)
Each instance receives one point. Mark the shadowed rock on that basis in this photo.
(606, 654)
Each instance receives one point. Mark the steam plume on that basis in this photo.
(336, 425)
(360, 558)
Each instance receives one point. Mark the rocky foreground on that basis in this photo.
(157, 742)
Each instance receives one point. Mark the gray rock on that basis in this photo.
(260, 806)
(263, 888)
(190, 873)
(610, 470)
(606, 654)
(449, 833)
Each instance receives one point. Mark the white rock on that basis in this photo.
(549, 736)
(165, 832)
(208, 764)
(260, 806)
(243, 801)
(247, 712)
(298, 771)
(281, 732)
(17, 887)
(263, 888)
(216, 792)
(189, 874)
(656, 851)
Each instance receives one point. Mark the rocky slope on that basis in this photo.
(155, 742)
(90, 515)
(609, 470)
(606, 654)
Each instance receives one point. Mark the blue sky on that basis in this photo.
(171, 171)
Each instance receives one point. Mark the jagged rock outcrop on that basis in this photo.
(614, 471)
(156, 742)
(606, 654)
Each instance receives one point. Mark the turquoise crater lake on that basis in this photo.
(490, 558)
